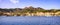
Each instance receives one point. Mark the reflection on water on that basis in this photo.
(29, 20)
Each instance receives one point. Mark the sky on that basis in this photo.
(46, 4)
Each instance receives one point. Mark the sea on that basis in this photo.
(29, 20)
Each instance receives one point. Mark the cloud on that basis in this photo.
(14, 1)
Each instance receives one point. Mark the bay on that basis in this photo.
(29, 20)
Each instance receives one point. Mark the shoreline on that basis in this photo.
(29, 11)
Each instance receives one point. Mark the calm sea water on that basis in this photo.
(29, 20)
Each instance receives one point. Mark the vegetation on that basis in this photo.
(22, 11)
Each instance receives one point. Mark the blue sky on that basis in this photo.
(46, 4)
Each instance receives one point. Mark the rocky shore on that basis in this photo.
(32, 14)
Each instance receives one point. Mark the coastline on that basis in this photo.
(32, 14)
(29, 11)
